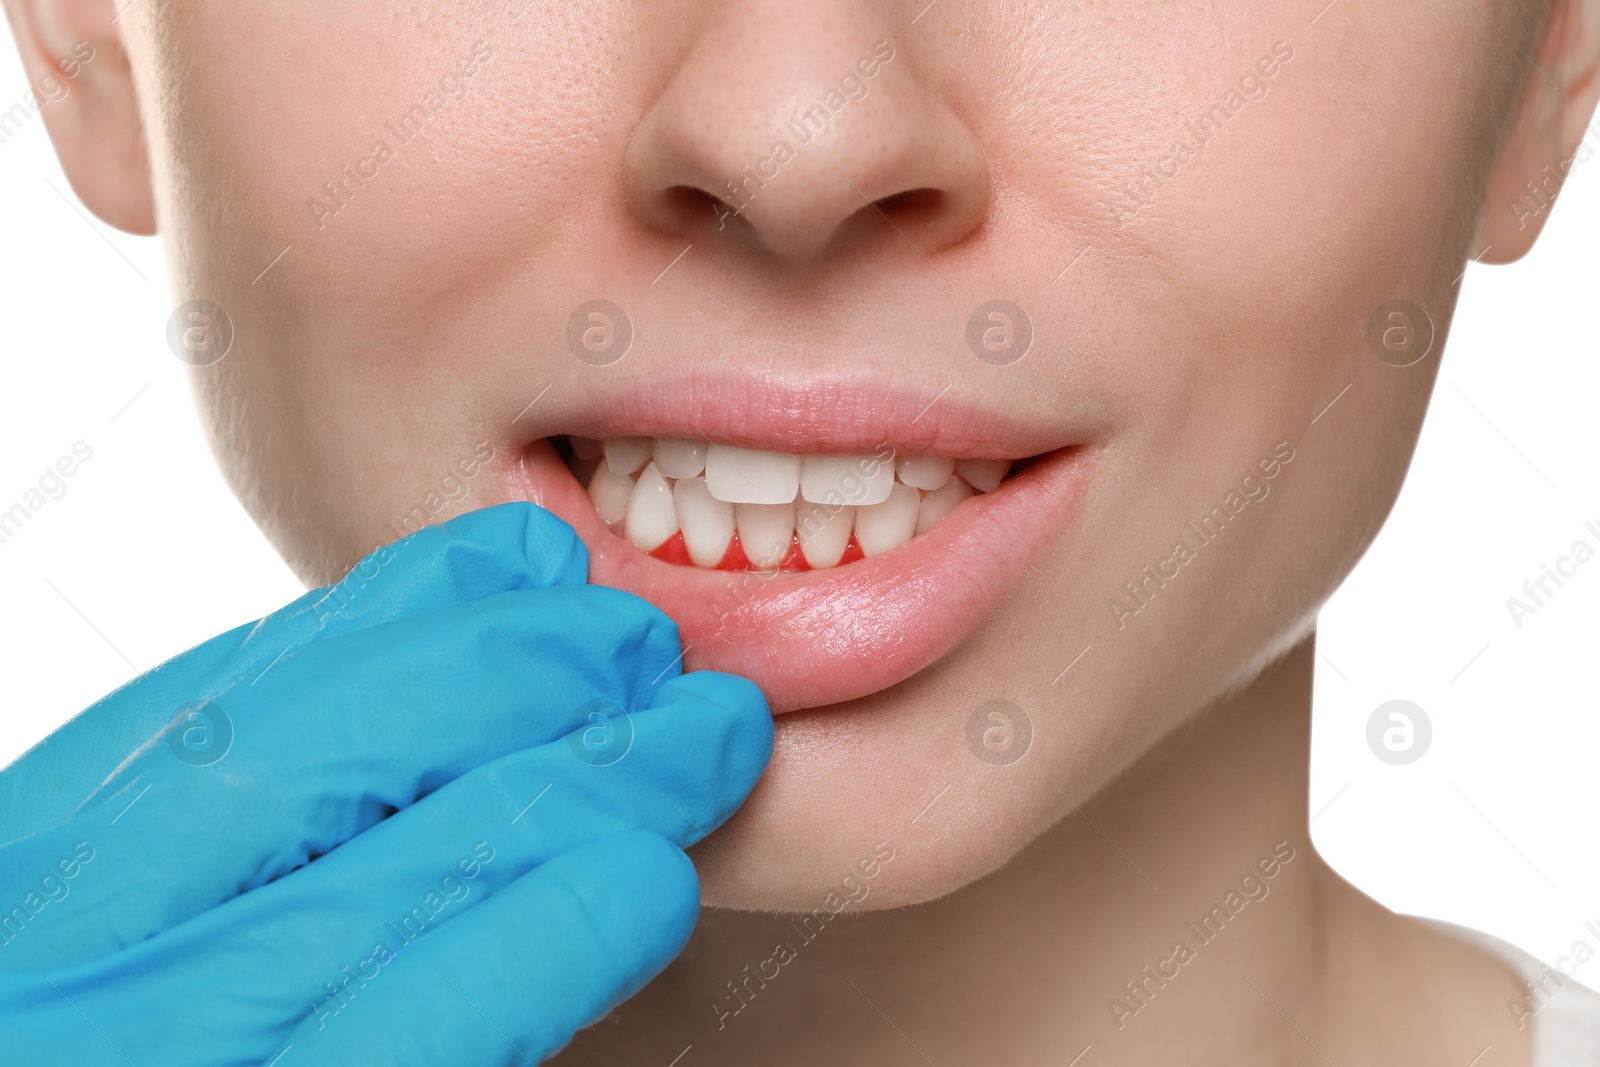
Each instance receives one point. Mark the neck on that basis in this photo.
(1180, 915)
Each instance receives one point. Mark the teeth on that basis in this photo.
(824, 532)
(745, 476)
(677, 457)
(846, 479)
(651, 517)
(655, 488)
(707, 522)
(880, 527)
(925, 472)
(609, 492)
(764, 532)
(625, 455)
(983, 474)
(939, 503)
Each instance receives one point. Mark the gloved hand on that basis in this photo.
(433, 814)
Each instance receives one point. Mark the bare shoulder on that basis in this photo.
(1435, 997)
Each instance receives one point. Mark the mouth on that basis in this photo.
(716, 506)
(787, 548)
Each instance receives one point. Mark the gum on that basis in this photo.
(674, 550)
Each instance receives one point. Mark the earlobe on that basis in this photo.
(1550, 133)
(83, 90)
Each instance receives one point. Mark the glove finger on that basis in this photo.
(506, 547)
(342, 735)
(277, 954)
(517, 545)
(543, 957)
(513, 979)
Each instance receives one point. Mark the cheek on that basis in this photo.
(1240, 284)
(353, 219)
(1232, 315)
(1237, 288)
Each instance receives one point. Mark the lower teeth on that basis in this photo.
(786, 512)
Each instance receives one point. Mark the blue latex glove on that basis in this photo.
(433, 814)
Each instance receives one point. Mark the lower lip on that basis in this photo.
(822, 637)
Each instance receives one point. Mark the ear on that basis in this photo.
(83, 89)
(1549, 135)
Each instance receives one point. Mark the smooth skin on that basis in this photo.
(1181, 341)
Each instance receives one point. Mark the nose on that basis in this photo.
(806, 127)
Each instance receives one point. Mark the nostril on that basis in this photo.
(907, 199)
(689, 208)
(683, 207)
(913, 207)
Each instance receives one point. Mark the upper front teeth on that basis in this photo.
(745, 476)
(859, 479)
(781, 505)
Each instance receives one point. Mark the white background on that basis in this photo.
(148, 553)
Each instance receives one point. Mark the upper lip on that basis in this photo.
(818, 414)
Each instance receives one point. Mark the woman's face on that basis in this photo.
(1223, 227)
